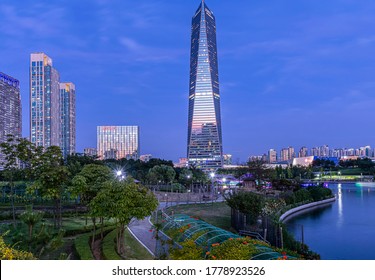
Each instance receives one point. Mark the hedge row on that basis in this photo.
(109, 246)
(82, 244)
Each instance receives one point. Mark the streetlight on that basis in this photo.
(224, 180)
(212, 174)
(120, 175)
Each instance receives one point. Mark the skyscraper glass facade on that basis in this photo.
(10, 109)
(204, 123)
(45, 122)
(68, 118)
(116, 142)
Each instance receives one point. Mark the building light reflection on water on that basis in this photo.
(340, 206)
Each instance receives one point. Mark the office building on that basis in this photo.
(204, 147)
(117, 142)
(68, 118)
(45, 121)
(10, 109)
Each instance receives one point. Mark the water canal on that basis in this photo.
(343, 230)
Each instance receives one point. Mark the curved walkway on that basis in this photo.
(140, 229)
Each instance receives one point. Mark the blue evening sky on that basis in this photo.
(291, 72)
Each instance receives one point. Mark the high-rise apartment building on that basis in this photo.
(68, 118)
(287, 154)
(10, 109)
(303, 152)
(204, 148)
(117, 142)
(52, 106)
(272, 156)
(45, 121)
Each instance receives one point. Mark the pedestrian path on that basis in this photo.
(142, 229)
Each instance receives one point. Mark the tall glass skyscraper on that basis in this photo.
(68, 118)
(204, 149)
(117, 142)
(52, 106)
(10, 109)
(45, 121)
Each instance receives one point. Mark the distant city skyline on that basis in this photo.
(289, 153)
(292, 73)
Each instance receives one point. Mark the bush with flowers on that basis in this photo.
(9, 253)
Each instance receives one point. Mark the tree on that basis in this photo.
(10, 165)
(87, 183)
(14, 150)
(258, 169)
(51, 177)
(164, 174)
(123, 201)
(246, 202)
(31, 218)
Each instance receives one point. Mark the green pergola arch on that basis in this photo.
(208, 234)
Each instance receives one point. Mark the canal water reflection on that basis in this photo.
(343, 230)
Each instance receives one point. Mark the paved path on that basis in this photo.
(140, 229)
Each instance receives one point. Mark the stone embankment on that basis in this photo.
(305, 207)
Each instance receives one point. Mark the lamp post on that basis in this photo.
(222, 189)
(212, 175)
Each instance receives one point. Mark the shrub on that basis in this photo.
(189, 251)
(288, 197)
(9, 253)
(302, 195)
(319, 193)
(233, 249)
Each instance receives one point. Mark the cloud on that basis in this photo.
(138, 52)
(40, 22)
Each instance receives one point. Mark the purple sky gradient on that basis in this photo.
(298, 73)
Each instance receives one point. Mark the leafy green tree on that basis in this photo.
(123, 201)
(259, 170)
(51, 177)
(164, 174)
(10, 165)
(15, 150)
(87, 183)
(247, 202)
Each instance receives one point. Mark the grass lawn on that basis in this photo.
(133, 249)
(217, 214)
